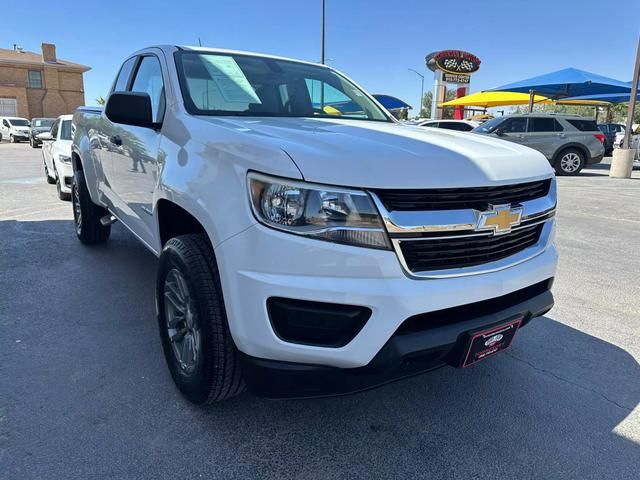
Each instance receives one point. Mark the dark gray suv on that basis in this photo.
(568, 141)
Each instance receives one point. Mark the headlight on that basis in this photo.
(65, 159)
(327, 213)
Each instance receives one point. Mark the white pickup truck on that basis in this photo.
(308, 243)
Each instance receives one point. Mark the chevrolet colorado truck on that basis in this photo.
(308, 243)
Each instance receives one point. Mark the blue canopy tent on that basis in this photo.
(606, 97)
(391, 103)
(569, 82)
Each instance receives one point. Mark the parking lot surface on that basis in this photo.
(85, 393)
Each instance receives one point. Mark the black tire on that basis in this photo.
(569, 161)
(12, 139)
(33, 143)
(215, 374)
(61, 195)
(88, 227)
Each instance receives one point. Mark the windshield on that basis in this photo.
(42, 122)
(490, 125)
(19, 122)
(225, 84)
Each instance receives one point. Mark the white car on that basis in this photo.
(308, 243)
(56, 155)
(459, 125)
(14, 129)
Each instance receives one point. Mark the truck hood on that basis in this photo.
(362, 153)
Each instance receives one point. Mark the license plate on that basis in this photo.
(487, 343)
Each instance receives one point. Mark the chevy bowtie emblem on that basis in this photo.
(499, 218)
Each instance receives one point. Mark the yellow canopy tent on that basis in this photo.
(501, 99)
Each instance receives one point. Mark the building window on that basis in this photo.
(35, 79)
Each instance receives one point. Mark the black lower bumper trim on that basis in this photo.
(402, 356)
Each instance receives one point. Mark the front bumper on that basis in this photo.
(261, 263)
(406, 353)
(65, 174)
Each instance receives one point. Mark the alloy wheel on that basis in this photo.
(182, 322)
(570, 162)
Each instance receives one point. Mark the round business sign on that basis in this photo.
(453, 61)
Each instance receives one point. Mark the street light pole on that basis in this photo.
(421, 89)
(622, 161)
(322, 53)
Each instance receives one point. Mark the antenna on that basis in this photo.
(199, 42)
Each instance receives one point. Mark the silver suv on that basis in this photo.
(568, 141)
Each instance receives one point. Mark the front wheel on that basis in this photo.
(197, 343)
(569, 162)
(12, 139)
(87, 214)
(50, 180)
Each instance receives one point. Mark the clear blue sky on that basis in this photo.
(372, 41)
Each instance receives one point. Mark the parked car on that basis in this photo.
(38, 126)
(610, 130)
(306, 250)
(569, 142)
(56, 155)
(635, 131)
(14, 129)
(460, 125)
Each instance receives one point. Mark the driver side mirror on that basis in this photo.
(130, 108)
(499, 131)
(45, 136)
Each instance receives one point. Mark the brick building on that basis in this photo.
(39, 85)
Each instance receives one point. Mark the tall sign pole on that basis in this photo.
(322, 53)
(622, 161)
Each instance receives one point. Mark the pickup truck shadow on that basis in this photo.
(559, 404)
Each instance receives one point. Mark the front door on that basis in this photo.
(47, 148)
(514, 129)
(134, 154)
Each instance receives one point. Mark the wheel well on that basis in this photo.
(174, 220)
(77, 163)
(575, 146)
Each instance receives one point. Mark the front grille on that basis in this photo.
(458, 198)
(445, 253)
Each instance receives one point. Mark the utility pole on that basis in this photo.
(421, 90)
(622, 161)
(322, 52)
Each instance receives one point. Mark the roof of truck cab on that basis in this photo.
(234, 52)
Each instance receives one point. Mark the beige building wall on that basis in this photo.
(63, 85)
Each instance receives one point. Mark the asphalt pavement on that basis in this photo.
(85, 393)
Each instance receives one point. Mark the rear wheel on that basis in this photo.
(569, 162)
(197, 343)
(87, 214)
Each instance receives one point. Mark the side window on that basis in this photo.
(542, 124)
(54, 129)
(5, 123)
(514, 125)
(123, 76)
(148, 79)
(432, 125)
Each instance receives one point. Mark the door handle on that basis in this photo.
(116, 140)
(562, 135)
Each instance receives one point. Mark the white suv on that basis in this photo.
(308, 243)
